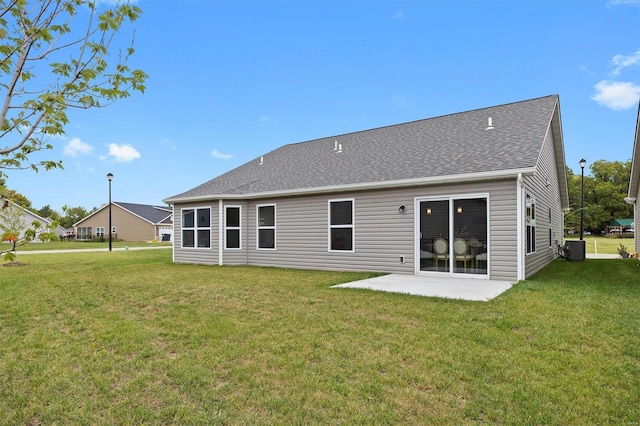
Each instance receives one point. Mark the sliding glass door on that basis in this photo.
(452, 235)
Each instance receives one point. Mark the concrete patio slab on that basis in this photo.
(430, 286)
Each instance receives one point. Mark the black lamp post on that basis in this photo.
(583, 163)
(110, 177)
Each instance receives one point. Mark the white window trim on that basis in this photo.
(98, 229)
(274, 227)
(534, 202)
(233, 228)
(352, 226)
(195, 228)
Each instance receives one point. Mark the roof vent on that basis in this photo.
(335, 145)
(261, 161)
(490, 124)
(339, 148)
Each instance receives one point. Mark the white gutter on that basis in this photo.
(459, 178)
(520, 226)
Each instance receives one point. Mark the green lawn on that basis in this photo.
(129, 338)
(604, 245)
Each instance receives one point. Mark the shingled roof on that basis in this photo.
(153, 214)
(453, 147)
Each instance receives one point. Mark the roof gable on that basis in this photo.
(153, 214)
(634, 178)
(452, 145)
(149, 213)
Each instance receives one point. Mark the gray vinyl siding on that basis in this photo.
(547, 196)
(196, 255)
(382, 233)
(636, 216)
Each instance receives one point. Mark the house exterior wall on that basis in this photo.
(129, 227)
(196, 255)
(382, 234)
(547, 200)
(636, 216)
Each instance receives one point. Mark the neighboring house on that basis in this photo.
(28, 217)
(634, 181)
(129, 222)
(618, 226)
(478, 194)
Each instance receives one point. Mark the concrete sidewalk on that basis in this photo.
(431, 286)
(20, 253)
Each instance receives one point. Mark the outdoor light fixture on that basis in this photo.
(428, 210)
(583, 163)
(402, 209)
(459, 209)
(110, 178)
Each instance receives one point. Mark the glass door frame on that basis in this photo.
(417, 234)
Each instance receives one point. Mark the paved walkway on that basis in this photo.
(20, 253)
(430, 286)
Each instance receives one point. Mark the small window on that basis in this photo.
(530, 204)
(99, 231)
(341, 233)
(232, 227)
(196, 228)
(267, 227)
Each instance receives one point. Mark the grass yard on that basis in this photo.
(129, 338)
(604, 245)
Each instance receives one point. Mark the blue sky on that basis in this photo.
(230, 81)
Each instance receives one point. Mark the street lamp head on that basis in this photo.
(583, 163)
(110, 176)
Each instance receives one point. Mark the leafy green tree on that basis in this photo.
(46, 211)
(46, 68)
(605, 189)
(71, 215)
(19, 199)
(15, 230)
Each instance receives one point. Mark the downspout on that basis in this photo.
(220, 231)
(246, 231)
(520, 227)
(173, 231)
(632, 200)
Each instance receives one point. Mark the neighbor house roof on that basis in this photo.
(621, 222)
(153, 214)
(481, 144)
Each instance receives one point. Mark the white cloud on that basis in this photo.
(399, 15)
(123, 153)
(616, 95)
(621, 62)
(75, 147)
(218, 154)
(622, 2)
(268, 120)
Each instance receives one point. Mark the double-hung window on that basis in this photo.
(341, 221)
(266, 215)
(232, 231)
(196, 227)
(530, 205)
(99, 231)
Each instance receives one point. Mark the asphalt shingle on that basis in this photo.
(449, 145)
